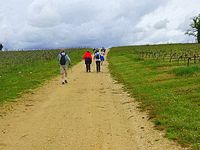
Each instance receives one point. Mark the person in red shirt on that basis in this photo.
(88, 60)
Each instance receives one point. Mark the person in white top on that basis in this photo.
(64, 62)
(97, 57)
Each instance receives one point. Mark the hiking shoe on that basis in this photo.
(65, 81)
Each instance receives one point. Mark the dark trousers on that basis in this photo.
(87, 63)
(98, 65)
(87, 67)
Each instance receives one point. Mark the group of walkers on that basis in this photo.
(98, 57)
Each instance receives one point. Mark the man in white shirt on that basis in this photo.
(64, 62)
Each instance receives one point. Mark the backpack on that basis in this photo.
(97, 56)
(63, 59)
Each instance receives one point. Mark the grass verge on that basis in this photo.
(170, 92)
(19, 76)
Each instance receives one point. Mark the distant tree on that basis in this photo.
(195, 28)
(1, 46)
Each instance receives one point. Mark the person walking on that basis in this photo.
(88, 60)
(103, 50)
(64, 61)
(97, 57)
(102, 58)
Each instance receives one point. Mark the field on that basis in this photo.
(22, 71)
(166, 80)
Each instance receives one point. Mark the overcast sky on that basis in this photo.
(94, 23)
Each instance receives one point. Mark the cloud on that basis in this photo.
(161, 24)
(168, 22)
(43, 14)
(62, 23)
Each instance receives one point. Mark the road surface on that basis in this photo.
(91, 112)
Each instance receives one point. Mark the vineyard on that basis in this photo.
(24, 70)
(182, 54)
(10, 59)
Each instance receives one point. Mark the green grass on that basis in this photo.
(186, 71)
(169, 91)
(23, 71)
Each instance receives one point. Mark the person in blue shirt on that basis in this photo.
(102, 58)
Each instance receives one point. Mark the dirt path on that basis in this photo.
(89, 113)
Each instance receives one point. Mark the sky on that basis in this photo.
(35, 24)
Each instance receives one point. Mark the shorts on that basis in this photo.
(63, 68)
